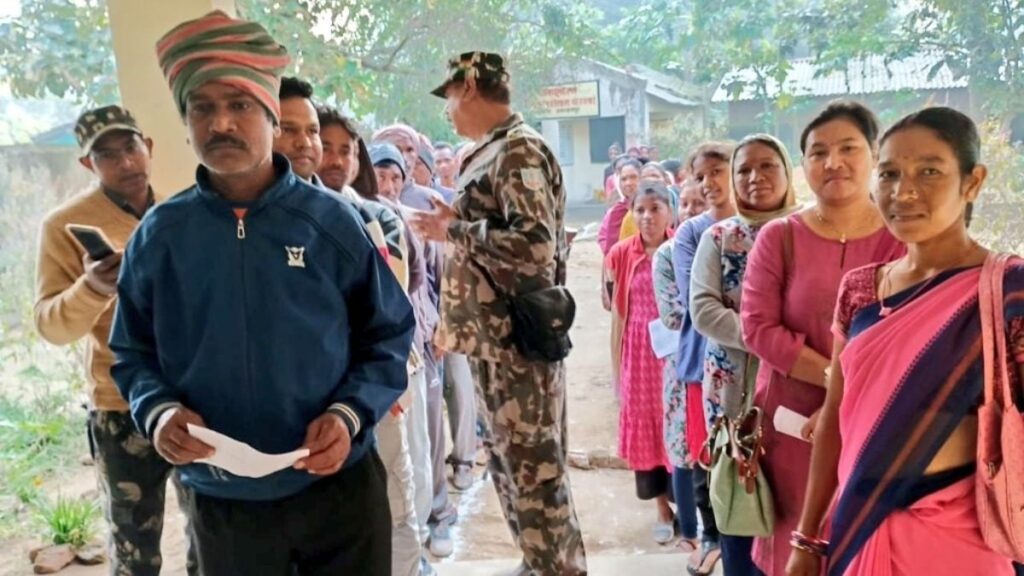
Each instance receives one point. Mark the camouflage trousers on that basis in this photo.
(522, 407)
(133, 478)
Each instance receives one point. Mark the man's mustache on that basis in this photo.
(217, 141)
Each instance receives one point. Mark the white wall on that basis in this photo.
(581, 177)
(136, 26)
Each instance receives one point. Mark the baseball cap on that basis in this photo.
(486, 66)
(93, 124)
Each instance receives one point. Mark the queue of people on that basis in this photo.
(829, 363)
(841, 339)
(309, 292)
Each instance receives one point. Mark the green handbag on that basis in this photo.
(740, 496)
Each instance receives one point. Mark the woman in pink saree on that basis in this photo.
(894, 448)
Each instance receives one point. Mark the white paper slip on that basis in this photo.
(789, 422)
(241, 459)
(663, 340)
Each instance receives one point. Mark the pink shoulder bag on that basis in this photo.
(999, 481)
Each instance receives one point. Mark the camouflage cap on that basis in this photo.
(481, 65)
(93, 124)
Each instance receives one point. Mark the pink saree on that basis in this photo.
(911, 377)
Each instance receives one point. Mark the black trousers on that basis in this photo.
(702, 497)
(340, 525)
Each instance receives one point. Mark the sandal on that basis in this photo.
(705, 560)
(688, 545)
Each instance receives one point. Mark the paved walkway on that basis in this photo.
(645, 564)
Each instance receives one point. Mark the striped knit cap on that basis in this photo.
(220, 48)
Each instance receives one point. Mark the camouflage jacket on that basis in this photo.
(510, 225)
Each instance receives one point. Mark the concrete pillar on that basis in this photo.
(136, 26)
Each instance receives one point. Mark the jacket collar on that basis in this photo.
(496, 133)
(284, 181)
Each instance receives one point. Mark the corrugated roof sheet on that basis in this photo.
(868, 75)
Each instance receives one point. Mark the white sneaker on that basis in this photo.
(664, 532)
(440, 543)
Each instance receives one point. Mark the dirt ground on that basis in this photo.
(614, 522)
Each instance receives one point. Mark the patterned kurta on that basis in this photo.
(671, 310)
(641, 440)
(715, 295)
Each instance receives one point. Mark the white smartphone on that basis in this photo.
(789, 422)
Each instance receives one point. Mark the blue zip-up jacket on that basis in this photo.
(259, 324)
(690, 357)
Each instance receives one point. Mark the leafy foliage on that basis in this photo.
(983, 42)
(37, 49)
(702, 40)
(380, 59)
(41, 422)
(1000, 208)
(69, 521)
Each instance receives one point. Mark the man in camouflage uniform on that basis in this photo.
(507, 222)
(75, 299)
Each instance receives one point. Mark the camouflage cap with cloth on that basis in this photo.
(484, 66)
(219, 48)
(95, 123)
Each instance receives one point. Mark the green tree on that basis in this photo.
(838, 31)
(59, 47)
(981, 41)
(703, 41)
(984, 43)
(380, 59)
(376, 58)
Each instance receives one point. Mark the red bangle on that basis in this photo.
(815, 546)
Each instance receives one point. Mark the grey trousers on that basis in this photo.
(441, 510)
(460, 394)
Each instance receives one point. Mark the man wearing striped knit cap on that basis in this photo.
(254, 304)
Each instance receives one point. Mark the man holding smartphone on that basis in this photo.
(75, 298)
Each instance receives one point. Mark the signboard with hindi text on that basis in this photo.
(577, 100)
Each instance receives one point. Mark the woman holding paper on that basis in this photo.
(631, 290)
(789, 297)
(762, 188)
(670, 312)
(907, 375)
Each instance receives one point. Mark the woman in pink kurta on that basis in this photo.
(788, 305)
(630, 266)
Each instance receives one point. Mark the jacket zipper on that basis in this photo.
(246, 368)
